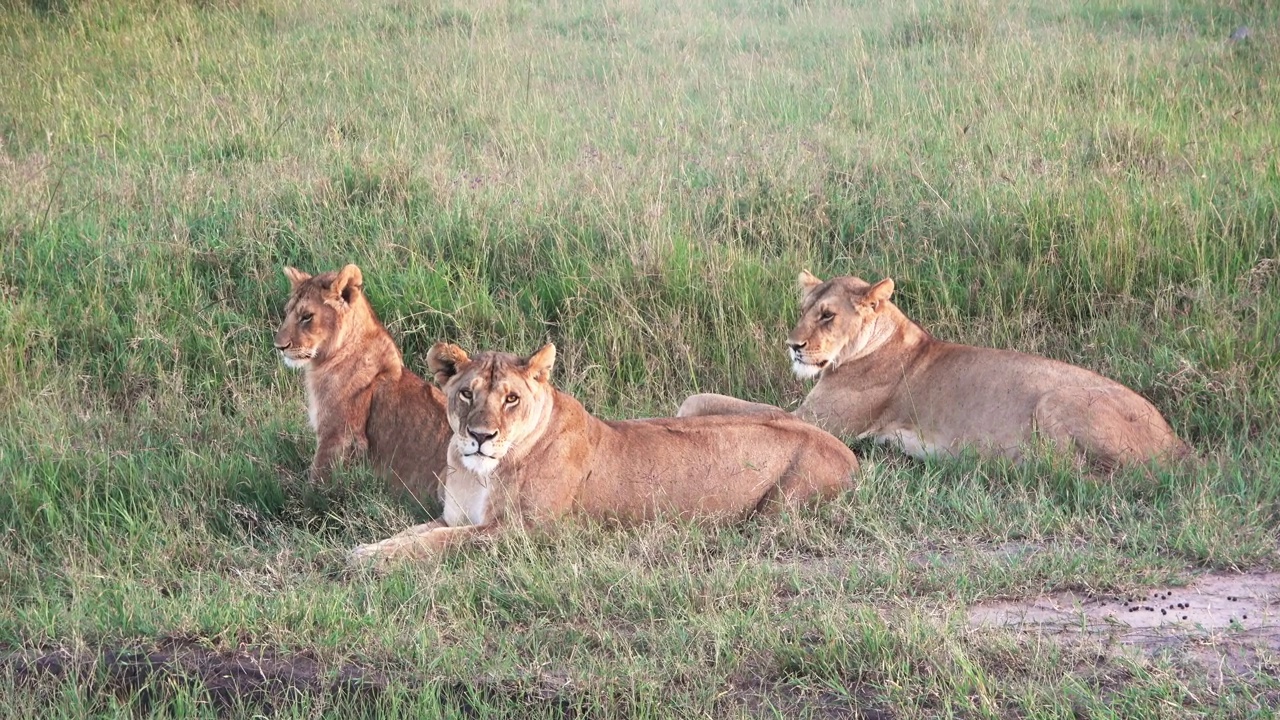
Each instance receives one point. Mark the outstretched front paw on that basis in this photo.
(407, 543)
(372, 555)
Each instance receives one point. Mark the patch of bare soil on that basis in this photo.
(228, 677)
(258, 678)
(270, 681)
(1225, 619)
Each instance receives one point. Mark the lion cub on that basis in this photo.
(882, 376)
(360, 397)
(523, 452)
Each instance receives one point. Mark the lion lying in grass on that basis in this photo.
(360, 397)
(524, 453)
(882, 376)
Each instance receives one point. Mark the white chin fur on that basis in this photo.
(480, 464)
(805, 371)
(294, 363)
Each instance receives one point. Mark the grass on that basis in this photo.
(638, 182)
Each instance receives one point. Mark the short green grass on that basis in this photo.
(639, 182)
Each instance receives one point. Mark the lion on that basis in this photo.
(361, 400)
(882, 376)
(523, 453)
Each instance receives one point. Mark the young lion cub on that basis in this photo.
(360, 397)
(882, 376)
(523, 452)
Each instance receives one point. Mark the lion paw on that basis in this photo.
(371, 555)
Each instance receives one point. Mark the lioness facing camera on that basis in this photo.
(360, 397)
(523, 452)
(882, 376)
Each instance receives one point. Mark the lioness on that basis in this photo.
(882, 376)
(523, 452)
(360, 397)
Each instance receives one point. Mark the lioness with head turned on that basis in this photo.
(524, 453)
(360, 397)
(882, 376)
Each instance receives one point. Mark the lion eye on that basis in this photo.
(306, 318)
(512, 398)
(826, 315)
(466, 394)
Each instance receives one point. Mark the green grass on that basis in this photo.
(638, 182)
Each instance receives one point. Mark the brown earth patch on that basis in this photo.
(229, 678)
(1226, 620)
(262, 679)
(270, 682)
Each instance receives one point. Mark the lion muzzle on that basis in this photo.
(803, 366)
(480, 449)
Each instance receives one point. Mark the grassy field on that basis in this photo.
(639, 182)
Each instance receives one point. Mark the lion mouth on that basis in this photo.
(478, 462)
(296, 360)
(808, 369)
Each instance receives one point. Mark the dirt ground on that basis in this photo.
(1231, 620)
(228, 677)
(267, 681)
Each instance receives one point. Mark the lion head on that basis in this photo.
(315, 317)
(837, 322)
(498, 403)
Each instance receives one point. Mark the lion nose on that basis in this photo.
(797, 346)
(283, 345)
(481, 436)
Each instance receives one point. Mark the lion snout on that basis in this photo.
(482, 435)
(481, 442)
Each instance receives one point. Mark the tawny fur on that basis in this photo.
(361, 399)
(881, 376)
(548, 458)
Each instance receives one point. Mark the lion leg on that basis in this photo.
(329, 448)
(818, 472)
(1108, 427)
(713, 404)
(342, 441)
(329, 451)
(357, 417)
(419, 542)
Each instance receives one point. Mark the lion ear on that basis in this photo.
(296, 277)
(878, 293)
(443, 359)
(540, 363)
(348, 281)
(808, 282)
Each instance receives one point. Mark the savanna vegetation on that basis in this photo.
(639, 182)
